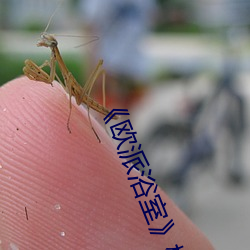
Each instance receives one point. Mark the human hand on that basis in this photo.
(68, 191)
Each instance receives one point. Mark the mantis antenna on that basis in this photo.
(53, 14)
(94, 38)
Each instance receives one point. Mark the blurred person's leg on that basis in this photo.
(237, 128)
(200, 148)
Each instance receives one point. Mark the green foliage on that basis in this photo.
(11, 66)
(34, 26)
(178, 28)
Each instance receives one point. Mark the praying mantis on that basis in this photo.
(71, 86)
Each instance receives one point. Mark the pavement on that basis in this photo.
(222, 213)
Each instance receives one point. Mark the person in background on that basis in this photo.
(121, 27)
(224, 110)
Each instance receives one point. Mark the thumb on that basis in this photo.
(61, 190)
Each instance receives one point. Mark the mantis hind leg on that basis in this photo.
(92, 127)
(68, 83)
(88, 87)
(70, 88)
(88, 106)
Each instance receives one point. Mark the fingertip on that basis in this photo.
(62, 190)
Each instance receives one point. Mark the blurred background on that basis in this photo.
(182, 68)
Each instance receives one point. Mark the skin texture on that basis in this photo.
(74, 189)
